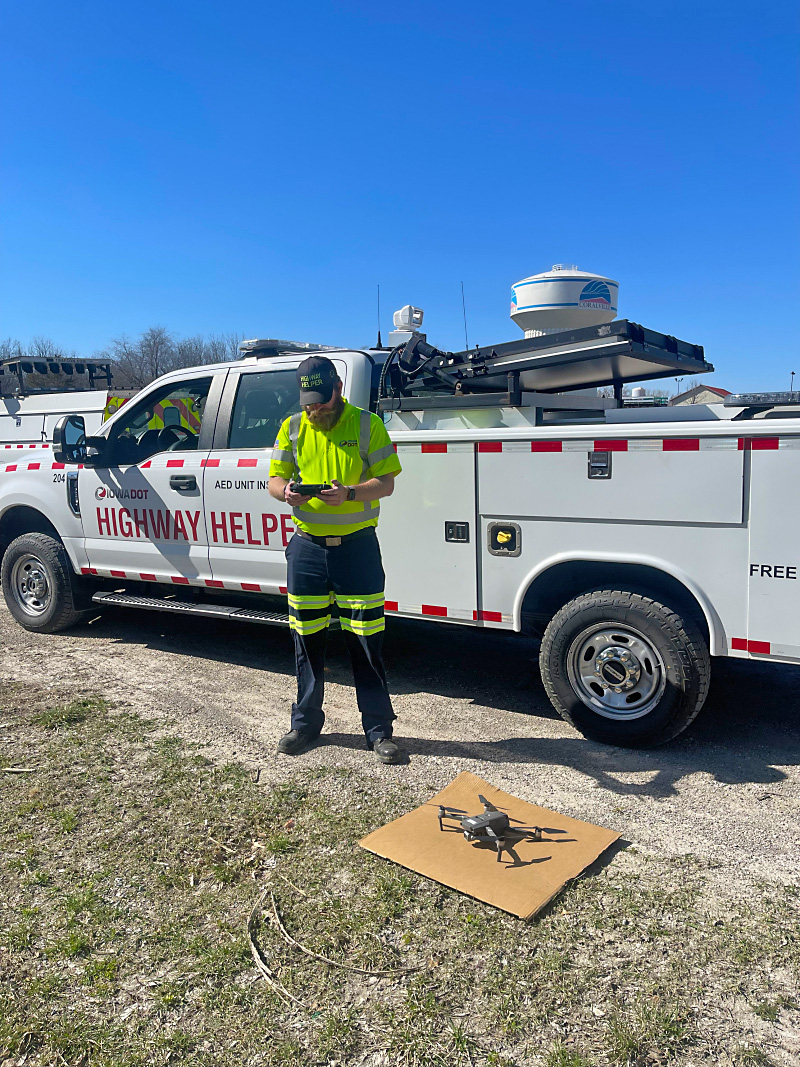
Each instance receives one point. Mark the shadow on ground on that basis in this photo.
(748, 730)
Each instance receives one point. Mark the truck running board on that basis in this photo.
(183, 607)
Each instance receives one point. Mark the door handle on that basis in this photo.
(183, 482)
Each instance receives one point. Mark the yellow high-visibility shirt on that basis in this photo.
(357, 448)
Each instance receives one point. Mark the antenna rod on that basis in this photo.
(464, 309)
(379, 345)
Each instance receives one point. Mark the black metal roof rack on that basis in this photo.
(614, 354)
(98, 372)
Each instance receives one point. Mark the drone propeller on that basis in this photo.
(487, 804)
(530, 833)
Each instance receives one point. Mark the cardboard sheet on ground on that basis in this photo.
(524, 880)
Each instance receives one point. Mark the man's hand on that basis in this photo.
(292, 498)
(335, 496)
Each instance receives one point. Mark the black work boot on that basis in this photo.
(386, 750)
(296, 741)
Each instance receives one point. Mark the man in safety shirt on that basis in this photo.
(334, 555)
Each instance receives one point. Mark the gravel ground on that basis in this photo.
(727, 791)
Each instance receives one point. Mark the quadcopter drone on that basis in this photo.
(491, 825)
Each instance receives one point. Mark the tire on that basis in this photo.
(624, 669)
(41, 590)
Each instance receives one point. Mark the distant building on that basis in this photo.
(700, 394)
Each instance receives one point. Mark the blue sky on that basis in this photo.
(261, 167)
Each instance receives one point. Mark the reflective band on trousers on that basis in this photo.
(309, 614)
(360, 614)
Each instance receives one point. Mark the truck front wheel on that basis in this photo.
(624, 669)
(40, 588)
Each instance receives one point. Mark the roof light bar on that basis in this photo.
(765, 400)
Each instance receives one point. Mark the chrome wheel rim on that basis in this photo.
(616, 671)
(30, 585)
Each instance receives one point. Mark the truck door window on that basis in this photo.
(167, 420)
(263, 401)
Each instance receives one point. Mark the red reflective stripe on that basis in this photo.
(174, 462)
(179, 580)
(147, 577)
(86, 570)
(93, 570)
(247, 463)
(491, 616)
(45, 446)
(434, 609)
(390, 605)
(209, 462)
(143, 465)
(394, 447)
(251, 587)
(681, 444)
(490, 446)
(33, 466)
(435, 446)
(117, 574)
(611, 445)
(212, 583)
(759, 647)
(763, 444)
(283, 589)
(11, 467)
(57, 466)
(546, 446)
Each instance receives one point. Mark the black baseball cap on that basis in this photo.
(316, 377)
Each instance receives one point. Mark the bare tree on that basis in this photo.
(137, 363)
(190, 352)
(158, 351)
(222, 348)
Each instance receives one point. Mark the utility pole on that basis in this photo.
(791, 385)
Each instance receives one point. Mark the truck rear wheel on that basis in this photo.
(39, 585)
(624, 669)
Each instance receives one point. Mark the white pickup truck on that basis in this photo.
(638, 542)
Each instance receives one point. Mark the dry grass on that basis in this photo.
(131, 865)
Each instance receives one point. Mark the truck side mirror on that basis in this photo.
(69, 440)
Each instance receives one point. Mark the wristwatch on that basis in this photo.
(351, 492)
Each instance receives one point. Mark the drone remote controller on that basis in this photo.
(309, 488)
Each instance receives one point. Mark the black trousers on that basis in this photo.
(349, 575)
